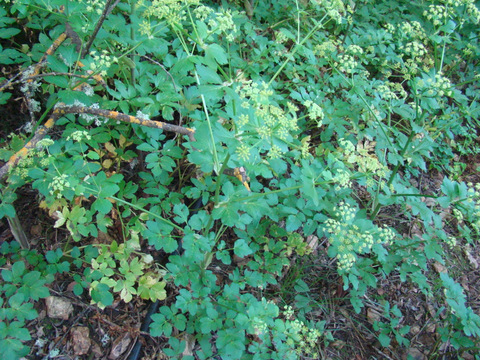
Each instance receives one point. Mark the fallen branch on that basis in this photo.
(63, 110)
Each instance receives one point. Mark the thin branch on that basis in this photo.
(106, 11)
(126, 118)
(62, 110)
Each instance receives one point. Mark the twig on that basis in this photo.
(107, 10)
(126, 118)
(171, 78)
(62, 110)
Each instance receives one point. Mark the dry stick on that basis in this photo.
(39, 135)
(100, 21)
(126, 118)
(62, 110)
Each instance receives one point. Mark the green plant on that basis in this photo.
(289, 120)
(20, 286)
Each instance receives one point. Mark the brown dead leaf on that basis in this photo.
(439, 268)
(240, 261)
(430, 328)
(312, 242)
(81, 340)
(36, 230)
(97, 350)
(58, 308)
(416, 354)
(338, 344)
(189, 344)
(464, 282)
(120, 345)
(472, 260)
(373, 315)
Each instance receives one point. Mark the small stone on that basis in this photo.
(120, 345)
(58, 308)
(81, 340)
(415, 354)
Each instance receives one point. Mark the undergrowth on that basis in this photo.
(299, 127)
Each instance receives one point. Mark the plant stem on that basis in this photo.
(295, 49)
(393, 174)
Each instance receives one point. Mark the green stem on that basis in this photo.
(216, 164)
(393, 174)
(124, 202)
(295, 49)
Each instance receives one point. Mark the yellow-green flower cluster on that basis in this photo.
(79, 135)
(300, 336)
(45, 143)
(315, 112)
(346, 236)
(386, 235)
(451, 241)
(33, 158)
(364, 157)
(172, 11)
(325, 49)
(342, 180)
(305, 148)
(354, 50)
(145, 28)
(280, 37)
(243, 152)
(95, 6)
(269, 120)
(58, 185)
(414, 50)
(223, 22)
(102, 62)
(275, 152)
(467, 5)
(386, 93)
(334, 8)
(474, 196)
(413, 30)
(390, 28)
(473, 11)
(437, 14)
(436, 86)
(202, 12)
(458, 215)
(348, 239)
(391, 90)
(346, 63)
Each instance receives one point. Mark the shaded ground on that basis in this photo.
(86, 331)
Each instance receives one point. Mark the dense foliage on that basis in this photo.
(335, 110)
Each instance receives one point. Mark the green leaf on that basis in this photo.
(293, 223)
(103, 206)
(6, 210)
(241, 248)
(15, 274)
(224, 257)
(208, 76)
(231, 343)
(34, 286)
(60, 81)
(8, 33)
(217, 53)
(11, 56)
(158, 235)
(13, 349)
(101, 294)
(182, 212)
(160, 326)
(384, 340)
(21, 310)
